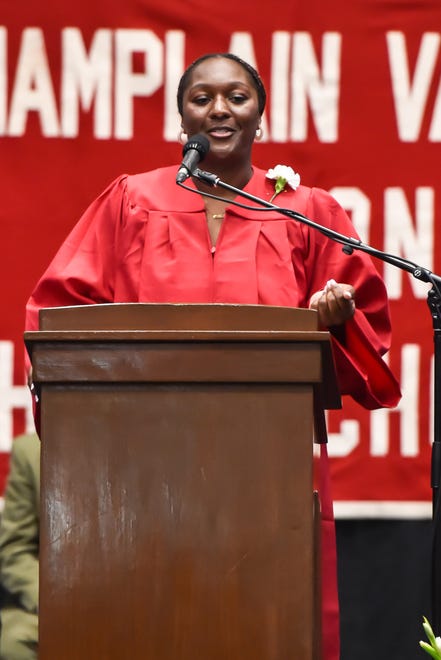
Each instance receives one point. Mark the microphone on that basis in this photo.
(194, 151)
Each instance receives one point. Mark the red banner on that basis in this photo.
(354, 90)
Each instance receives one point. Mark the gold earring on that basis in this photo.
(182, 137)
(259, 134)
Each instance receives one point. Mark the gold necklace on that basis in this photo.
(218, 216)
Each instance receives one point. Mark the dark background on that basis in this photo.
(384, 584)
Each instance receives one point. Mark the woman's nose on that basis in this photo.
(220, 106)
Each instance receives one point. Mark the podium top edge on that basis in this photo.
(103, 336)
(178, 316)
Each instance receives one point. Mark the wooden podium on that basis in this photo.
(177, 498)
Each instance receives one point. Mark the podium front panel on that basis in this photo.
(172, 527)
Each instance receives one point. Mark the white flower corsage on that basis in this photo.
(283, 175)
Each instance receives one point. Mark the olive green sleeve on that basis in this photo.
(19, 527)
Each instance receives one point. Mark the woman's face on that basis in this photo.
(221, 102)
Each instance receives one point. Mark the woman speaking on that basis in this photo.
(145, 239)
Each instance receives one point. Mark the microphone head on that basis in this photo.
(198, 142)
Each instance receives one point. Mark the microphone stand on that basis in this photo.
(434, 303)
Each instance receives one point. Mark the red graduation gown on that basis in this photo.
(146, 240)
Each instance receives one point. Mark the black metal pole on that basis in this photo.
(434, 303)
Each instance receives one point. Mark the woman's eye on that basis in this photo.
(238, 98)
(201, 100)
